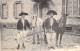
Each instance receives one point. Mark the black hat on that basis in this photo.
(23, 13)
(51, 11)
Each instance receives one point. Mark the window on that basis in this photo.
(79, 7)
(63, 6)
(63, 9)
(17, 9)
(69, 7)
(4, 11)
(0, 11)
(68, 28)
(63, 2)
(75, 7)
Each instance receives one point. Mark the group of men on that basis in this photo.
(49, 25)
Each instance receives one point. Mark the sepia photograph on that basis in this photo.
(39, 25)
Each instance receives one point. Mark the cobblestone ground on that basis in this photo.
(8, 42)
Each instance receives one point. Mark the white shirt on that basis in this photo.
(23, 21)
(51, 21)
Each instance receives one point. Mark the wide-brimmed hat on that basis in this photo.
(51, 11)
(23, 13)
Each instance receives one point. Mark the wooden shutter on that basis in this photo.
(17, 8)
(63, 6)
(75, 7)
(14, 10)
(4, 11)
(0, 11)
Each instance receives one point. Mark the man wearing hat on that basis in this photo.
(50, 25)
(22, 26)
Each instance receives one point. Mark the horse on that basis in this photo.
(59, 30)
(36, 24)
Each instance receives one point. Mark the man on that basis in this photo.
(50, 25)
(22, 26)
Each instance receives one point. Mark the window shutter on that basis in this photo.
(17, 8)
(21, 6)
(7, 11)
(0, 11)
(14, 10)
(63, 6)
(4, 11)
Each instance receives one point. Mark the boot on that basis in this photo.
(38, 39)
(23, 46)
(18, 46)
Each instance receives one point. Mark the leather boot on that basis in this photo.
(18, 46)
(23, 46)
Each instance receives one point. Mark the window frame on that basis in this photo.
(64, 6)
(2, 10)
(78, 8)
(15, 10)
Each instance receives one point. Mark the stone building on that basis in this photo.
(72, 7)
(10, 9)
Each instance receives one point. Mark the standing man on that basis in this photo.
(22, 26)
(50, 25)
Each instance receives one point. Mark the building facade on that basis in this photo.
(72, 7)
(10, 9)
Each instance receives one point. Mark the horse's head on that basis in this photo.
(34, 16)
(62, 20)
(65, 15)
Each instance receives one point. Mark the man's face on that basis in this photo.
(51, 15)
(23, 16)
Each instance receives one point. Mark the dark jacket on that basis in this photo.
(46, 24)
(20, 25)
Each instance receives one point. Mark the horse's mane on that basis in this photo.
(62, 20)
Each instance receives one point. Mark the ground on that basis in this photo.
(9, 43)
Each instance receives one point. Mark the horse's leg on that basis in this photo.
(45, 38)
(33, 36)
(57, 35)
(38, 38)
(60, 39)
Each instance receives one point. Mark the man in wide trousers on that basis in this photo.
(22, 26)
(50, 25)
